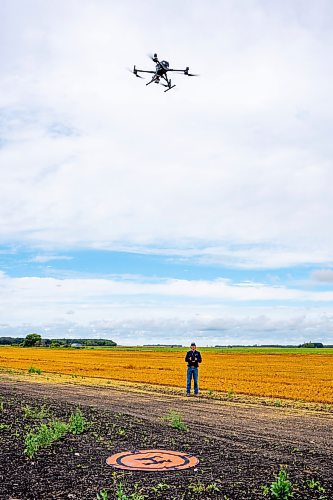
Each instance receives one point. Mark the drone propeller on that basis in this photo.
(189, 74)
(134, 72)
(153, 57)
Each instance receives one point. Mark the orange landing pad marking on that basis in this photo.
(154, 460)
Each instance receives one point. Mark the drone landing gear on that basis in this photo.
(169, 88)
(168, 84)
(155, 79)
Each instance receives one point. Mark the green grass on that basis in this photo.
(268, 350)
(223, 350)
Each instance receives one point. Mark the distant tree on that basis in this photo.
(312, 344)
(87, 342)
(55, 343)
(31, 340)
(308, 345)
(10, 340)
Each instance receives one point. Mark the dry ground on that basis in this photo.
(240, 446)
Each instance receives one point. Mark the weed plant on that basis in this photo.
(44, 436)
(281, 488)
(102, 495)
(35, 413)
(314, 485)
(32, 369)
(197, 487)
(212, 487)
(160, 487)
(121, 495)
(230, 393)
(77, 423)
(176, 421)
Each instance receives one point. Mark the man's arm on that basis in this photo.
(199, 357)
(187, 357)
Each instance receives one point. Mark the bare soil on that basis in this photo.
(240, 446)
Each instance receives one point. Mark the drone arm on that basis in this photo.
(184, 71)
(143, 71)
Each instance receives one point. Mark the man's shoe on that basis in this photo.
(196, 395)
(188, 394)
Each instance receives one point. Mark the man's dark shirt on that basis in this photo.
(193, 358)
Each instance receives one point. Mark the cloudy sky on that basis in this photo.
(202, 213)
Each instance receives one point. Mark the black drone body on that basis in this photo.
(160, 74)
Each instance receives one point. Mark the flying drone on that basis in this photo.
(160, 73)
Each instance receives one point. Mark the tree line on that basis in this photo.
(36, 340)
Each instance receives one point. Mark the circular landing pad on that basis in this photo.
(154, 460)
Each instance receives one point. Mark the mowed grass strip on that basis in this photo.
(267, 373)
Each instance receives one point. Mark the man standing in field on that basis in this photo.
(192, 358)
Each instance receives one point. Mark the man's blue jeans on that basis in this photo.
(192, 372)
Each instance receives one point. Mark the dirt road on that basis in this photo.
(250, 424)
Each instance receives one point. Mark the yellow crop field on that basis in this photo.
(307, 377)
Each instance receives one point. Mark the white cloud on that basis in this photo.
(323, 275)
(217, 311)
(48, 258)
(220, 330)
(43, 291)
